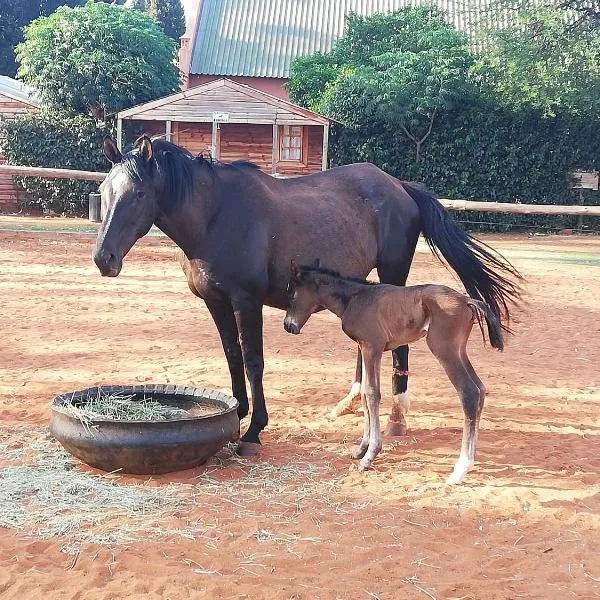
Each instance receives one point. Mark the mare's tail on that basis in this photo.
(481, 312)
(486, 275)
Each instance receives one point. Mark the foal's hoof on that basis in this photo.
(365, 464)
(358, 452)
(247, 449)
(396, 428)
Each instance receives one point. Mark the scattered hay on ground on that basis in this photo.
(45, 493)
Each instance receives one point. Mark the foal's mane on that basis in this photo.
(335, 274)
(175, 166)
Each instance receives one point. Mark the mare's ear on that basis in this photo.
(109, 146)
(317, 263)
(144, 147)
(295, 270)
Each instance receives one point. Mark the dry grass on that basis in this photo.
(44, 493)
(132, 407)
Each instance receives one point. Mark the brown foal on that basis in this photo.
(383, 317)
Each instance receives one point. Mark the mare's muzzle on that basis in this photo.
(108, 263)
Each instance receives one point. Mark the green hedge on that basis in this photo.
(481, 151)
(47, 139)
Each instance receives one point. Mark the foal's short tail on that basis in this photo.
(482, 311)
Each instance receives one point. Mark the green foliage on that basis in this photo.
(401, 69)
(538, 63)
(486, 152)
(97, 59)
(169, 15)
(46, 139)
(509, 126)
(14, 15)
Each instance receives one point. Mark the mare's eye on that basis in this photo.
(140, 195)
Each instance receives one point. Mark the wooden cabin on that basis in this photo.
(15, 99)
(232, 121)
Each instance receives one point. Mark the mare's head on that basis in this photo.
(132, 193)
(303, 298)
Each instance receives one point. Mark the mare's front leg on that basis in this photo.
(248, 315)
(350, 402)
(222, 314)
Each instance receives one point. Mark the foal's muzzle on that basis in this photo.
(290, 326)
(108, 263)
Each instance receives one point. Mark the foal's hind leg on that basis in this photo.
(397, 275)
(351, 401)
(449, 356)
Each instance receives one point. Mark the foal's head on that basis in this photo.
(303, 298)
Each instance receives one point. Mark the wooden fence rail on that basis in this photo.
(498, 207)
(52, 173)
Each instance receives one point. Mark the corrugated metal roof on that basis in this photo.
(242, 103)
(260, 38)
(17, 91)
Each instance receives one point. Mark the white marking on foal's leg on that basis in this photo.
(397, 421)
(463, 465)
(349, 404)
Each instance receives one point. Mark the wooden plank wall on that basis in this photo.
(247, 142)
(9, 195)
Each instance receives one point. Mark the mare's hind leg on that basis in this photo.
(448, 352)
(351, 401)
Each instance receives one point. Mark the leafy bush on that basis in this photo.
(510, 126)
(97, 59)
(50, 139)
(481, 151)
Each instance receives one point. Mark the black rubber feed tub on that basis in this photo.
(147, 447)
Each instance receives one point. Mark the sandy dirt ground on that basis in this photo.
(299, 521)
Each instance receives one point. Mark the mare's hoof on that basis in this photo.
(396, 428)
(247, 449)
(340, 410)
(358, 452)
(348, 406)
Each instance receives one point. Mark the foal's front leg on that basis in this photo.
(372, 395)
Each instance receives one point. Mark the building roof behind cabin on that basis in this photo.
(241, 103)
(17, 91)
(260, 38)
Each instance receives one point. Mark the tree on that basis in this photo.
(401, 70)
(169, 15)
(97, 59)
(14, 15)
(538, 63)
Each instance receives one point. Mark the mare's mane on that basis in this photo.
(175, 166)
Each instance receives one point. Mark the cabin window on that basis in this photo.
(291, 143)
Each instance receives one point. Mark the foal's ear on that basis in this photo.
(295, 270)
(144, 147)
(109, 146)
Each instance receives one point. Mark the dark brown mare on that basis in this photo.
(239, 228)
(381, 317)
